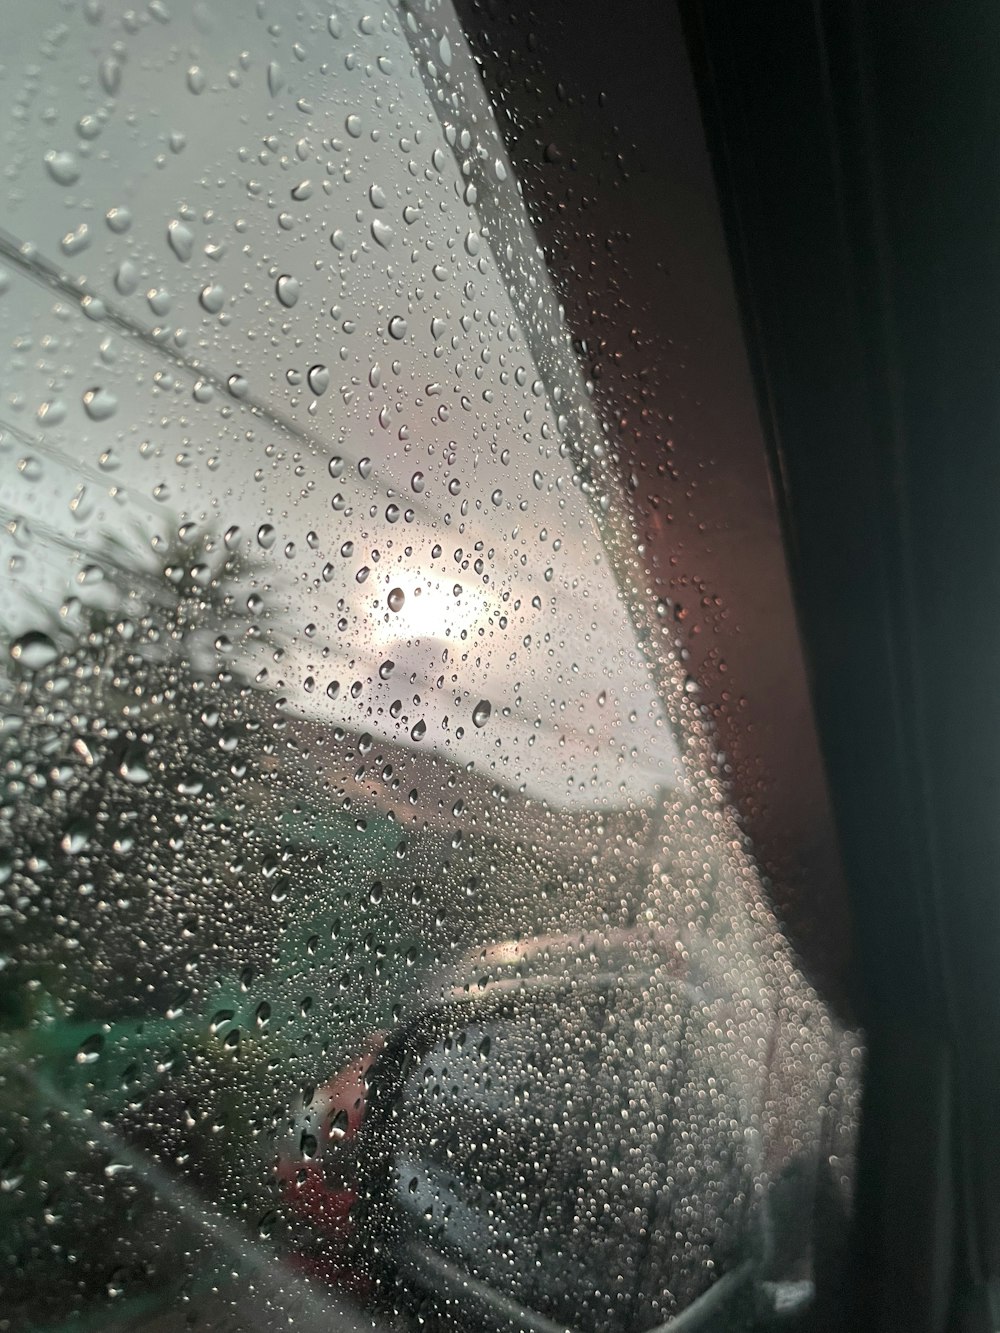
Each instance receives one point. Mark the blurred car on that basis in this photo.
(576, 1132)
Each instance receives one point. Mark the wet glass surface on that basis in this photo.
(379, 940)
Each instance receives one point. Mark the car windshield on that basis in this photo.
(379, 938)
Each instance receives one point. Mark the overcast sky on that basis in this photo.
(282, 203)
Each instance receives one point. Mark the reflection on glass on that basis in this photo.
(377, 939)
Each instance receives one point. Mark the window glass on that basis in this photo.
(378, 939)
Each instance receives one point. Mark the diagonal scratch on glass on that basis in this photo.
(27, 260)
(83, 469)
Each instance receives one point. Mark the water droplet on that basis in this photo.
(472, 243)
(287, 290)
(353, 126)
(302, 191)
(63, 167)
(126, 278)
(319, 379)
(382, 233)
(481, 713)
(118, 219)
(377, 196)
(212, 298)
(90, 1049)
(419, 730)
(238, 386)
(396, 599)
(437, 328)
(275, 78)
(34, 650)
(196, 79)
(89, 127)
(133, 769)
(365, 468)
(51, 413)
(266, 536)
(99, 404)
(335, 25)
(386, 669)
(181, 240)
(159, 300)
(75, 241)
(110, 74)
(76, 837)
(397, 327)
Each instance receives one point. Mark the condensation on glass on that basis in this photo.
(378, 945)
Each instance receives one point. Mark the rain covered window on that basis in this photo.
(378, 941)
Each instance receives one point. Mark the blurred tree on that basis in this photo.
(128, 727)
